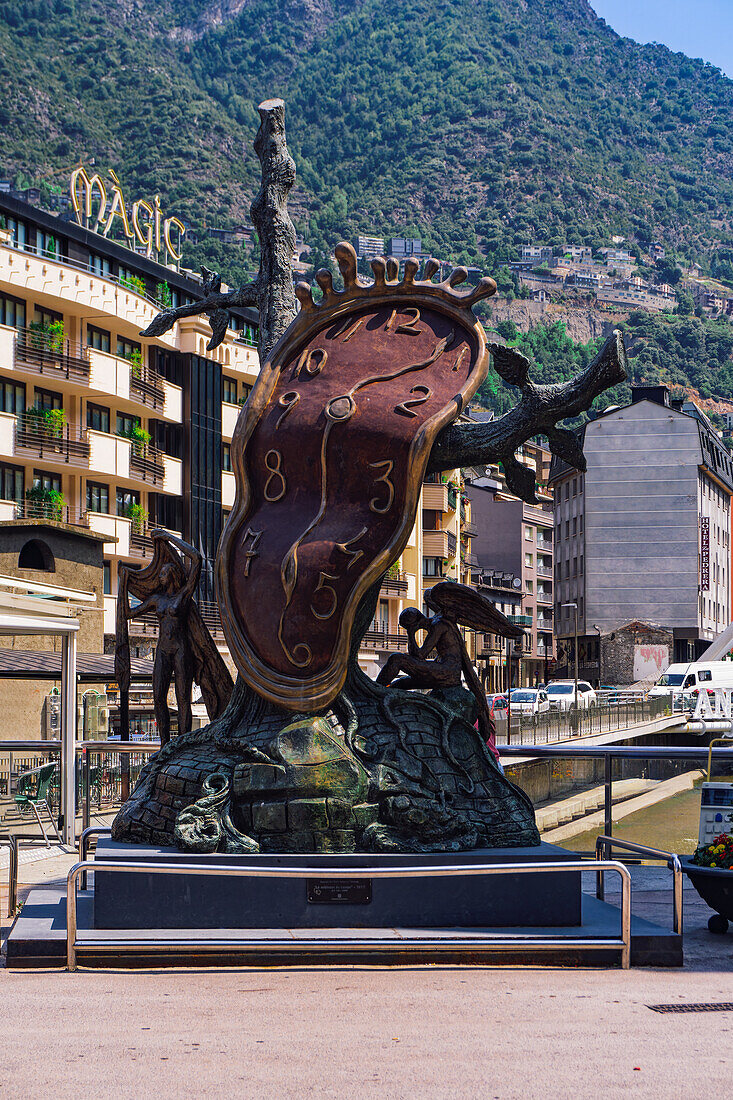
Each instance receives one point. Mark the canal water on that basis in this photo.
(671, 825)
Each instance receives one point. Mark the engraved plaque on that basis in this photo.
(339, 891)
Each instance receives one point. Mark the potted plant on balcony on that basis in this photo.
(135, 359)
(47, 422)
(140, 440)
(47, 336)
(163, 295)
(44, 503)
(139, 517)
(134, 283)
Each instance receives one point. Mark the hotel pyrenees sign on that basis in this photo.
(101, 207)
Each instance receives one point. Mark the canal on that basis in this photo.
(671, 825)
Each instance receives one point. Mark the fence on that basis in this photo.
(607, 716)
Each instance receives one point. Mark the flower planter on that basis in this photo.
(715, 887)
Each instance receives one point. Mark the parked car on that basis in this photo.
(561, 694)
(497, 705)
(529, 701)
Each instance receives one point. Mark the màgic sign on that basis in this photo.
(329, 455)
(704, 554)
(102, 208)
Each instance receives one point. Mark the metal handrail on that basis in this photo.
(508, 944)
(605, 844)
(12, 843)
(91, 830)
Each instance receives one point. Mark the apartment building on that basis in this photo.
(644, 534)
(517, 538)
(505, 592)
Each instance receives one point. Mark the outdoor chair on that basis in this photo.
(32, 793)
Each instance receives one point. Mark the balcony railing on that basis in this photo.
(147, 463)
(520, 620)
(45, 353)
(146, 386)
(544, 544)
(545, 597)
(395, 585)
(210, 615)
(452, 498)
(544, 650)
(382, 639)
(67, 445)
(141, 545)
(544, 624)
(469, 529)
(452, 544)
(58, 513)
(544, 571)
(470, 559)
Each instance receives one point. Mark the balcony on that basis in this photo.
(452, 544)
(469, 529)
(210, 615)
(544, 571)
(452, 498)
(395, 585)
(520, 620)
(544, 544)
(42, 352)
(544, 623)
(228, 488)
(381, 639)
(63, 445)
(229, 416)
(115, 528)
(545, 597)
(147, 463)
(435, 497)
(147, 386)
(33, 509)
(544, 650)
(491, 645)
(470, 559)
(435, 544)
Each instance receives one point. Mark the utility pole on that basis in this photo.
(575, 661)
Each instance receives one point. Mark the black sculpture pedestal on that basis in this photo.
(153, 900)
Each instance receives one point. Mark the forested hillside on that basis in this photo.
(476, 124)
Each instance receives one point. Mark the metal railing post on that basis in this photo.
(604, 850)
(608, 796)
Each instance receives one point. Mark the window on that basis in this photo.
(229, 390)
(18, 232)
(46, 316)
(97, 497)
(567, 569)
(580, 524)
(575, 526)
(529, 533)
(12, 311)
(100, 265)
(98, 338)
(36, 554)
(432, 567)
(245, 390)
(12, 397)
(575, 567)
(528, 560)
(567, 490)
(529, 585)
(44, 480)
(12, 482)
(226, 458)
(125, 498)
(48, 244)
(567, 528)
(97, 417)
(47, 399)
(126, 423)
(126, 348)
(430, 519)
(107, 578)
(581, 565)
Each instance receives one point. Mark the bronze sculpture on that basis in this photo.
(357, 398)
(185, 650)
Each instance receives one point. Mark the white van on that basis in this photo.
(692, 677)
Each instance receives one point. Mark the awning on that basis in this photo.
(91, 668)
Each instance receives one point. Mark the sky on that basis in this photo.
(699, 28)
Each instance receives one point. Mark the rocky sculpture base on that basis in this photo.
(385, 770)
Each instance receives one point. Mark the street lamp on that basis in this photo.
(575, 609)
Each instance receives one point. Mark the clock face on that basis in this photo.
(333, 468)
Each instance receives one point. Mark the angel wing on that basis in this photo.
(470, 608)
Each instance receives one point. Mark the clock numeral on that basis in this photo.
(273, 462)
(307, 364)
(333, 596)
(353, 555)
(349, 328)
(287, 402)
(375, 505)
(406, 407)
(459, 360)
(406, 328)
(340, 408)
(252, 552)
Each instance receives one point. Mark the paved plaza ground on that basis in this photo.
(431, 1031)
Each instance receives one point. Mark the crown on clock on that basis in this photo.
(386, 280)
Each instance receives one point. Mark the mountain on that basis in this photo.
(477, 124)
